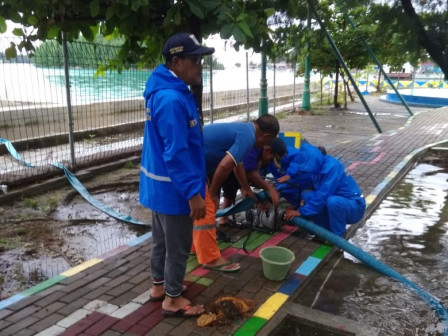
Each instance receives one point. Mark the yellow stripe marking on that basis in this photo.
(271, 306)
(296, 135)
(82, 267)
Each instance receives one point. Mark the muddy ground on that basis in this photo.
(43, 236)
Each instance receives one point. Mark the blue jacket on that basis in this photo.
(173, 161)
(300, 164)
(331, 179)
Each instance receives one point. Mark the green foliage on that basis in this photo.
(32, 203)
(50, 53)
(272, 26)
(130, 165)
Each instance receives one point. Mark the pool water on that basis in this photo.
(408, 232)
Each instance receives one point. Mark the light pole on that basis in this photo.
(306, 106)
(263, 101)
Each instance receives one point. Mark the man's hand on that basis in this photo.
(291, 213)
(283, 179)
(247, 192)
(274, 194)
(197, 207)
(215, 199)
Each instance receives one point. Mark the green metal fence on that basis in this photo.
(62, 109)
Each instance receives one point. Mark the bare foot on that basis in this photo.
(158, 292)
(222, 221)
(180, 307)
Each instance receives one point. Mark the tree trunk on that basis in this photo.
(378, 84)
(432, 45)
(336, 87)
(347, 90)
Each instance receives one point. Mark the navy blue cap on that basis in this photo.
(278, 147)
(184, 44)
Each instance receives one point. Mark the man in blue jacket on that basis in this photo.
(172, 175)
(329, 195)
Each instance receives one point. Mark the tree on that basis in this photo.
(431, 28)
(144, 24)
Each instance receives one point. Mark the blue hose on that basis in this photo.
(375, 264)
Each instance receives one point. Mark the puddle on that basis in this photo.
(41, 237)
(408, 232)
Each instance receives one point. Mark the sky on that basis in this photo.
(227, 55)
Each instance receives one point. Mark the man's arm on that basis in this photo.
(259, 182)
(221, 173)
(240, 174)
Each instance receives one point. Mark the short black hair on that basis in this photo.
(278, 147)
(268, 124)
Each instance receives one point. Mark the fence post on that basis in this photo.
(275, 68)
(247, 86)
(211, 89)
(69, 103)
(294, 88)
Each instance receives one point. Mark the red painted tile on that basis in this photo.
(200, 272)
(101, 326)
(128, 321)
(152, 320)
(122, 326)
(148, 308)
(78, 328)
(138, 330)
(193, 290)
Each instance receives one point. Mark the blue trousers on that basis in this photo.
(172, 237)
(339, 212)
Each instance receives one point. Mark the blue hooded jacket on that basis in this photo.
(173, 161)
(331, 179)
(300, 164)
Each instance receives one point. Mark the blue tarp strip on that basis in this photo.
(14, 153)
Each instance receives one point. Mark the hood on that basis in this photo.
(161, 78)
(307, 158)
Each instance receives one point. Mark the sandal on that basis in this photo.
(221, 268)
(182, 312)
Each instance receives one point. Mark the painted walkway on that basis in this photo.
(109, 295)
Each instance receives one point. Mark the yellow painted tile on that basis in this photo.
(82, 267)
(271, 306)
(370, 199)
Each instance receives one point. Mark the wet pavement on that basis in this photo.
(109, 295)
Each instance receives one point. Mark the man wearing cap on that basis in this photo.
(226, 145)
(329, 195)
(172, 174)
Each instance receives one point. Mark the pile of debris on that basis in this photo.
(225, 310)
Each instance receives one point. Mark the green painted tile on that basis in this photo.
(224, 245)
(251, 327)
(205, 281)
(256, 239)
(255, 242)
(191, 278)
(322, 251)
(192, 265)
(43, 285)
